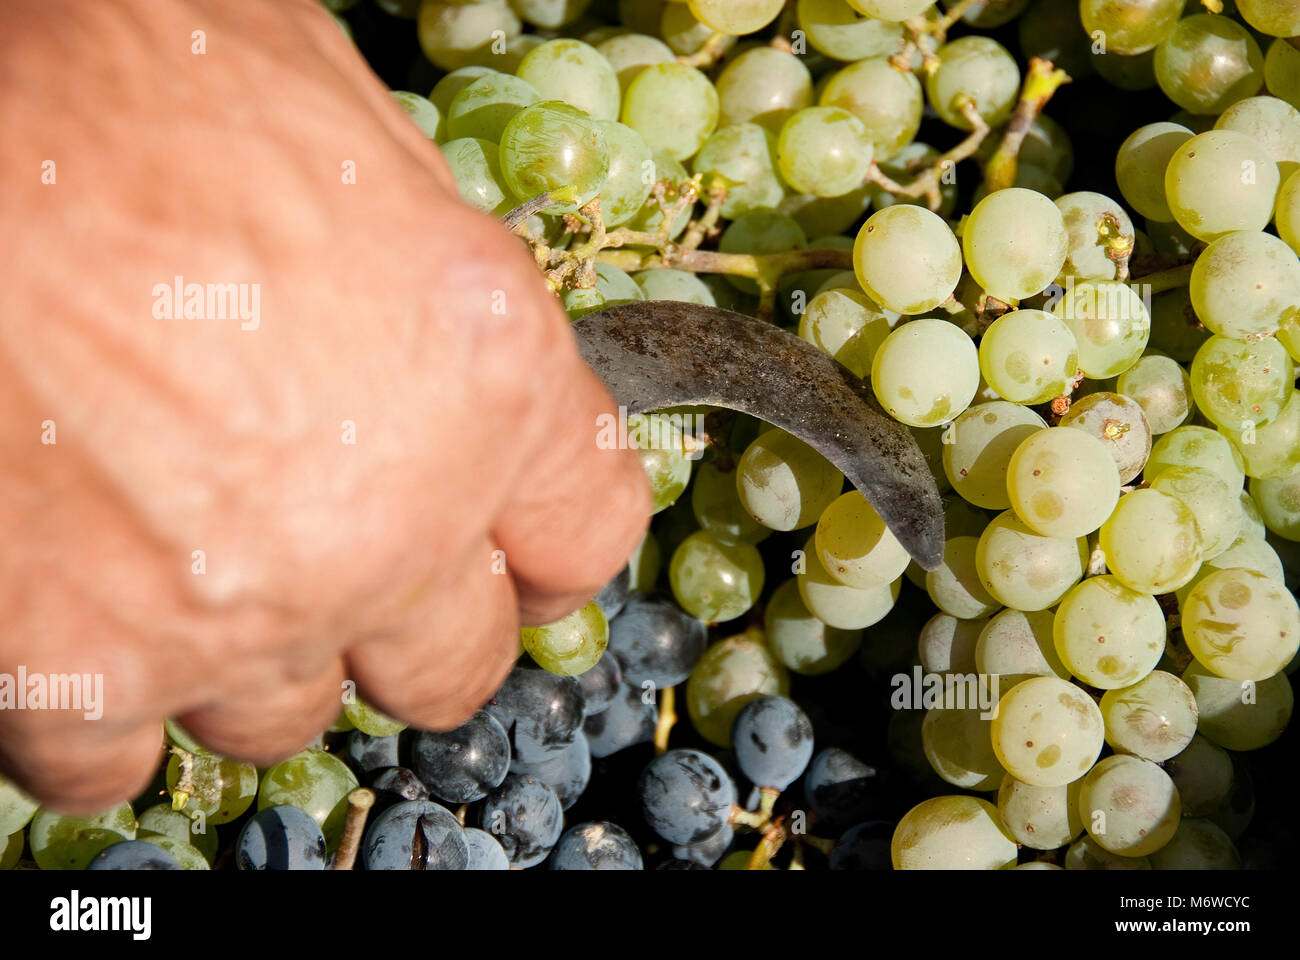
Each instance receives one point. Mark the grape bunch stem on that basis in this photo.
(1041, 82)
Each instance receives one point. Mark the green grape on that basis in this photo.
(1016, 646)
(1239, 385)
(1084, 214)
(484, 108)
(16, 808)
(1250, 552)
(736, 17)
(1278, 499)
(661, 445)
(1108, 635)
(847, 325)
(1252, 521)
(799, 640)
(1241, 625)
(477, 172)
(557, 149)
(569, 646)
(764, 86)
(983, 439)
(1162, 388)
(907, 260)
(838, 31)
(1214, 504)
(888, 101)
(785, 484)
(1053, 31)
(219, 788)
(977, 69)
(1130, 806)
(369, 720)
(744, 156)
(617, 286)
(1197, 845)
(731, 673)
(1119, 423)
(1028, 356)
(1047, 732)
(1236, 715)
(516, 49)
(926, 372)
(1130, 27)
(952, 833)
(1221, 182)
(714, 581)
(674, 107)
(1288, 225)
(70, 843)
(455, 35)
(650, 217)
(890, 9)
(947, 644)
(956, 742)
(11, 849)
(1140, 167)
(579, 302)
(986, 14)
(676, 285)
(1197, 447)
(1245, 285)
(836, 605)
(1151, 542)
(575, 73)
(1110, 323)
(1203, 774)
(422, 113)
(1272, 450)
(955, 586)
(550, 14)
(1133, 74)
(1015, 243)
(1085, 854)
(631, 173)
(162, 820)
(718, 508)
(681, 31)
(1277, 18)
(1282, 71)
(1041, 818)
(899, 168)
(317, 783)
(1154, 719)
(630, 53)
(1024, 570)
(856, 547)
(1273, 123)
(1208, 63)
(759, 232)
(341, 724)
(824, 151)
(1062, 482)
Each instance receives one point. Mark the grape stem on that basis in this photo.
(785, 28)
(184, 788)
(1167, 279)
(928, 183)
(1041, 82)
(667, 718)
(774, 837)
(713, 50)
(1119, 245)
(520, 215)
(359, 803)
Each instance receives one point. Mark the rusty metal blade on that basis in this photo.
(667, 354)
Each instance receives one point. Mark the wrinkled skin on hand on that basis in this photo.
(321, 559)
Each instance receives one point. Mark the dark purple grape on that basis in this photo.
(566, 772)
(366, 753)
(539, 711)
(601, 684)
(614, 594)
(864, 847)
(841, 789)
(462, 765)
(686, 796)
(280, 838)
(485, 853)
(708, 851)
(629, 720)
(656, 641)
(395, 785)
(133, 855)
(415, 835)
(596, 846)
(525, 816)
(773, 740)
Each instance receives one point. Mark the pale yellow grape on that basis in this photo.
(714, 581)
(680, 30)
(1272, 122)
(1246, 284)
(1282, 71)
(426, 117)
(836, 605)
(661, 445)
(1016, 645)
(824, 151)
(799, 640)
(673, 107)
(1015, 243)
(1029, 356)
(827, 216)
(1240, 715)
(1110, 323)
(1203, 774)
(1252, 521)
(744, 156)
(907, 259)
(890, 9)
(1198, 845)
(1037, 865)
(977, 69)
(1083, 213)
(1221, 182)
(1119, 423)
(1162, 387)
(956, 742)
(630, 53)
(889, 102)
(1250, 552)
(1216, 507)
(847, 325)
(955, 586)
(455, 35)
(764, 86)
(1288, 209)
(926, 372)
(784, 483)
(1024, 570)
(1108, 635)
(1241, 625)
(717, 507)
(569, 646)
(731, 673)
(1085, 854)
(574, 72)
(837, 30)
(1278, 499)
(1154, 718)
(1209, 63)
(1129, 806)
(1272, 450)
(1151, 542)
(1277, 18)
(1129, 27)
(856, 547)
(952, 833)
(983, 439)
(1062, 482)
(1197, 447)
(736, 17)
(1047, 732)
(947, 644)
(1140, 167)
(1041, 818)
